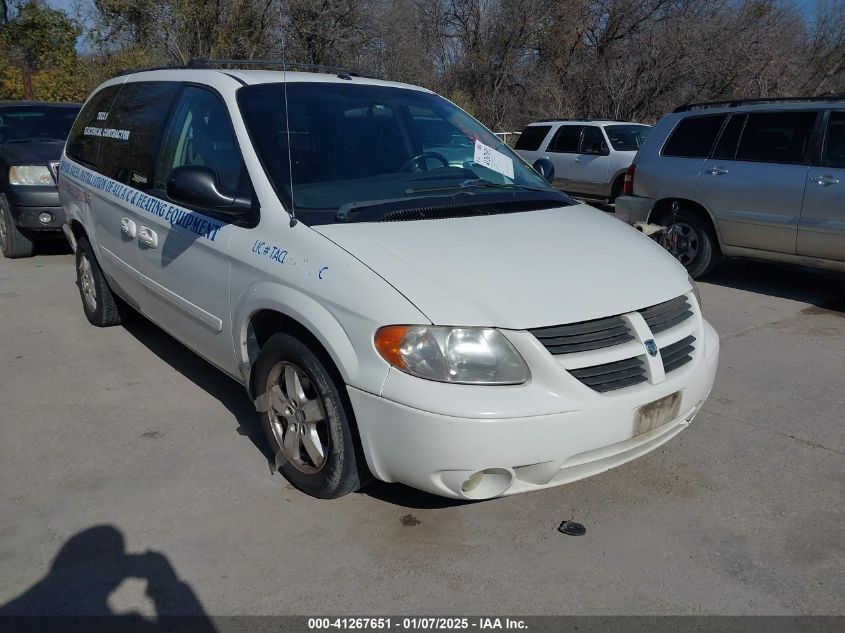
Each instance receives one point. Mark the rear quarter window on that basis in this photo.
(132, 131)
(83, 143)
(693, 137)
(532, 137)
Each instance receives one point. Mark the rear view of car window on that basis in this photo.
(531, 137)
(776, 137)
(834, 143)
(83, 142)
(694, 136)
(132, 129)
(566, 139)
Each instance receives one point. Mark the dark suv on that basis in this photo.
(32, 135)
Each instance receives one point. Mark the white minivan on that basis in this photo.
(401, 295)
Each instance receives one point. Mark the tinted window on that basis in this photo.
(694, 137)
(83, 143)
(592, 141)
(532, 137)
(726, 147)
(132, 129)
(566, 139)
(33, 124)
(626, 138)
(776, 137)
(200, 133)
(833, 154)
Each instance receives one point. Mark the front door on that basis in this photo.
(561, 150)
(184, 251)
(821, 231)
(591, 164)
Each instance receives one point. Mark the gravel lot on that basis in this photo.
(130, 445)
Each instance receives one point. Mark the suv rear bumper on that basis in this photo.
(632, 209)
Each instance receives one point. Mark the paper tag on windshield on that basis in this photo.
(492, 159)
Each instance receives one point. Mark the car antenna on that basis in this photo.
(287, 119)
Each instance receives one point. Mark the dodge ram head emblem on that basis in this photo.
(651, 347)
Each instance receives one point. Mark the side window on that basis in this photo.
(532, 137)
(200, 133)
(833, 153)
(694, 136)
(83, 143)
(566, 139)
(776, 137)
(592, 141)
(132, 130)
(726, 147)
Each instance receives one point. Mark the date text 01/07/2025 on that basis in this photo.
(416, 623)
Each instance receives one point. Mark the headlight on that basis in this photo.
(695, 291)
(30, 175)
(478, 356)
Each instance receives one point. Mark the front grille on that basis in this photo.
(581, 337)
(666, 315)
(677, 354)
(622, 373)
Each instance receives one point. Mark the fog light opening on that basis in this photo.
(45, 218)
(487, 483)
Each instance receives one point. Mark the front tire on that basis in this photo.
(13, 242)
(101, 306)
(691, 240)
(306, 423)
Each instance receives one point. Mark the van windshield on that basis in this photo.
(352, 147)
(627, 138)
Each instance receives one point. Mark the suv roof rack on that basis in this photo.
(562, 120)
(343, 73)
(733, 103)
(201, 63)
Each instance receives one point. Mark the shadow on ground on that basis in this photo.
(88, 568)
(823, 289)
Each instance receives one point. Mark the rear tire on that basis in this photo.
(694, 245)
(13, 242)
(306, 423)
(101, 306)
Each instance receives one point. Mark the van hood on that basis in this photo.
(517, 271)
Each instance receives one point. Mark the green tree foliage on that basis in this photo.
(39, 54)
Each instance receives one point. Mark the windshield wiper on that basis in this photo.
(479, 183)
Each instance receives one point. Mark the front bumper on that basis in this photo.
(632, 209)
(28, 203)
(439, 451)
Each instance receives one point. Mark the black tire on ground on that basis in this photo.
(344, 469)
(616, 189)
(13, 242)
(707, 255)
(104, 309)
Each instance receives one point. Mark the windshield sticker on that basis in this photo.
(492, 159)
(176, 216)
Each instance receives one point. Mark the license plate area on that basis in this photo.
(655, 414)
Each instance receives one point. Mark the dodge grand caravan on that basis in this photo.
(401, 295)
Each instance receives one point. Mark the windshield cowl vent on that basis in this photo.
(469, 210)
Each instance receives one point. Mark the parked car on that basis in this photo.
(32, 135)
(590, 157)
(449, 322)
(763, 179)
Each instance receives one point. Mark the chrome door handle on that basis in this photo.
(718, 171)
(825, 180)
(577, 159)
(147, 237)
(128, 226)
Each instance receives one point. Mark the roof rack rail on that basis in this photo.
(733, 103)
(563, 119)
(284, 64)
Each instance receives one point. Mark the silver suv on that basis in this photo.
(763, 179)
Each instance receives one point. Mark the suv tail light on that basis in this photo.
(628, 185)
